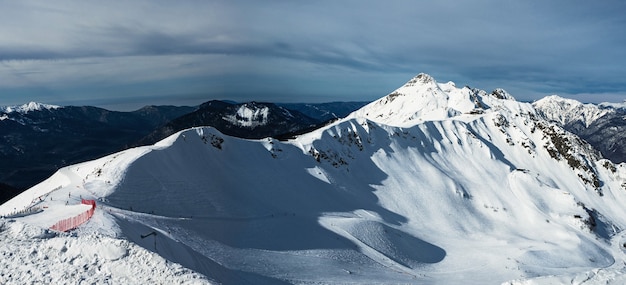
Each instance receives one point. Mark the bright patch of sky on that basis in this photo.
(124, 55)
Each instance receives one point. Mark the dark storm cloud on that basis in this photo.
(315, 48)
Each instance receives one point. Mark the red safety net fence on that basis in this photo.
(73, 222)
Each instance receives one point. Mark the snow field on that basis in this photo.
(30, 255)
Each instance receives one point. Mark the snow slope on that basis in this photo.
(431, 184)
(33, 256)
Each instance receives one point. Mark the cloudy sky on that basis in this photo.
(125, 54)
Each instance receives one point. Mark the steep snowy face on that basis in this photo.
(249, 115)
(29, 107)
(423, 99)
(566, 111)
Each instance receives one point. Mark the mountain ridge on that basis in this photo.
(462, 179)
(28, 107)
(37, 139)
(566, 111)
(252, 120)
(35, 143)
(603, 125)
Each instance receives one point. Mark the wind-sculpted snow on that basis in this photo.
(432, 184)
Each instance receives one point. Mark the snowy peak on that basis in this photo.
(502, 94)
(420, 79)
(29, 107)
(421, 98)
(602, 125)
(424, 99)
(566, 111)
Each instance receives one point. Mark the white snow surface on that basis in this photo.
(436, 185)
(565, 111)
(28, 107)
(424, 99)
(249, 116)
(31, 255)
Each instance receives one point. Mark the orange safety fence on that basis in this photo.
(73, 222)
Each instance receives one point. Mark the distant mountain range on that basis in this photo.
(37, 139)
(246, 120)
(603, 125)
(324, 111)
(431, 184)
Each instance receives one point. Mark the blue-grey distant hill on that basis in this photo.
(35, 143)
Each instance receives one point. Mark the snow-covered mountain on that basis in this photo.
(37, 139)
(432, 184)
(603, 125)
(28, 107)
(245, 120)
(423, 99)
(567, 111)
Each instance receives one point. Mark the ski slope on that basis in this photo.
(431, 184)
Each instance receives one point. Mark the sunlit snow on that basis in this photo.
(565, 111)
